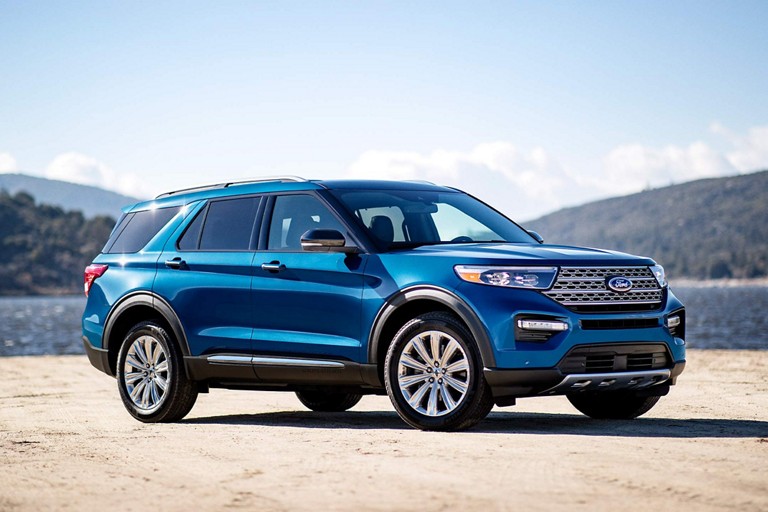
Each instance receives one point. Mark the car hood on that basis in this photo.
(527, 254)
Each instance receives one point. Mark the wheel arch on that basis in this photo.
(132, 309)
(414, 301)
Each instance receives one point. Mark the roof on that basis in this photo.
(276, 184)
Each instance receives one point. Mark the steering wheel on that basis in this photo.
(462, 238)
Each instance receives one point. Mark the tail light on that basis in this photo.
(92, 272)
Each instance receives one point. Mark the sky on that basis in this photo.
(531, 106)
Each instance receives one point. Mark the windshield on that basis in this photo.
(408, 218)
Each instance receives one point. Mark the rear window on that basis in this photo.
(135, 230)
(225, 225)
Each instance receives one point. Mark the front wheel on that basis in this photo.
(151, 378)
(612, 406)
(434, 375)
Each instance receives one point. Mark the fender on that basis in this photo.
(443, 296)
(154, 301)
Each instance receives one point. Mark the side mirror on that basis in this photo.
(325, 240)
(536, 236)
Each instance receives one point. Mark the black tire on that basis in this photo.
(455, 399)
(612, 406)
(328, 401)
(143, 375)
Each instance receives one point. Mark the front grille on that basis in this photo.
(584, 289)
(620, 323)
(615, 358)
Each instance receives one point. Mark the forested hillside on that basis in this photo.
(707, 229)
(44, 249)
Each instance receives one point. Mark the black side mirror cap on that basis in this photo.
(536, 236)
(325, 240)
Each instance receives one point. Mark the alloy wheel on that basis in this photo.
(146, 375)
(433, 373)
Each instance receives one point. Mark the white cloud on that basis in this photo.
(79, 168)
(7, 163)
(750, 152)
(632, 167)
(523, 184)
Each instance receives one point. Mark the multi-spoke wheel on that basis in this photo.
(151, 378)
(434, 375)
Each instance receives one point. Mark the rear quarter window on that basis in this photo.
(136, 229)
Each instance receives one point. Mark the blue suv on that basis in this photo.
(337, 289)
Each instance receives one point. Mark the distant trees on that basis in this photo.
(44, 249)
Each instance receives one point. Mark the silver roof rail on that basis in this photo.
(230, 183)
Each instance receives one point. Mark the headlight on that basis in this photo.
(535, 278)
(658, 273)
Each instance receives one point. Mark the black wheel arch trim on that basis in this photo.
(151, 300)
(445, 297)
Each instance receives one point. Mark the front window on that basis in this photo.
(408, 218)
(294, 215)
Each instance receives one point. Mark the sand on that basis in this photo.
(66, 443)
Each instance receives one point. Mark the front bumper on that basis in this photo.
(507, 385)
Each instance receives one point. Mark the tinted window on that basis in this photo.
(191, 237)
(293, 216)
(407, 218)
(229, 225)
(136, 229)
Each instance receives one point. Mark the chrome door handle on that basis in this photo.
(175, 263)
(273, 266)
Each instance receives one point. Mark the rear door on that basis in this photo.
(306, 303)
(206, 272)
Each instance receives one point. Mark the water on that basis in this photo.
(40, 325)
(729, 318)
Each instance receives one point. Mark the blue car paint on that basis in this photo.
(327, 303)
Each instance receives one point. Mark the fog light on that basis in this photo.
(542, 325)
(673, 322)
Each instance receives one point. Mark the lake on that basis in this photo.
(728, 318)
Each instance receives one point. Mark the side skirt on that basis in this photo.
(271, 372)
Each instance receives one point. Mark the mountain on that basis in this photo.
(706, 229)
(92, 201)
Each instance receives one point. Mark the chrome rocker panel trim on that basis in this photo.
(273, 361)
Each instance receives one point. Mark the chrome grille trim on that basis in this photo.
(579, 286)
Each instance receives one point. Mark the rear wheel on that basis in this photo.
(434, 375)
(615, 406)
(328, 401)
(151, 378)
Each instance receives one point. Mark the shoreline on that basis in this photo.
(68, 444)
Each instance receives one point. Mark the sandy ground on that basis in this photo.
(67, 444)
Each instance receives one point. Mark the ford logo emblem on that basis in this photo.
(619, 284)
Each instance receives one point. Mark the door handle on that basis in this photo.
(273, 266)
(176, 263)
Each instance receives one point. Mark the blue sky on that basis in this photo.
(530, 105)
